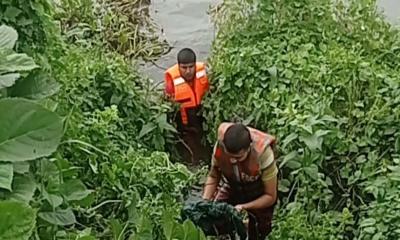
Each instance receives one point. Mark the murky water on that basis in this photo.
(391, 9)
(186, 23)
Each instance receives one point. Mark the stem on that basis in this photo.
(103, 203)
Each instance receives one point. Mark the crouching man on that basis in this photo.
(244, 173)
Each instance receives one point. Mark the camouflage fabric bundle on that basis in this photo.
(215, 218)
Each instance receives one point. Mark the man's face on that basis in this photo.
(187, 71)
(241, 155)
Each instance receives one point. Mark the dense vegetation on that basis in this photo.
(324, 77)
(83, 134)
(82, 131)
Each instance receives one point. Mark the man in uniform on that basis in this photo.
(243, 160)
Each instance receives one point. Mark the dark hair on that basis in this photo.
(186, 55)
(236, 138)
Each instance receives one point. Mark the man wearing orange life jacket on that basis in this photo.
(186, 83)
(244, 173)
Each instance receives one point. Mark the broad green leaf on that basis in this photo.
(74, 190)
(86, 235)
(132, 210)
(397, 144)
(168, 228)
(53, 199)
(329, 118)
(321, 133)
(14, 62)
(86, 238)
(21, 167)
(116, 228)
(191, 232)
(284, 185)
(7, 80)
(171, 229)
(8, 37)
(288, 157)
(307, 128)
(313, 142)
(293, 165)
(145, 230)
(147, 129)
(377, 236)
(289, 139)
(61, 217)
(6, 175)
(163, 123)
(312, 171)
(35, 86)
(370, 230)
(11, 13)
(273, 71)
(23, 188)
(28, 131)
(17, 220)
(239, 82)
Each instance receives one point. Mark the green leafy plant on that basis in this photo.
(17, 220)
(29, 131)
(317, 74)
(93, 173)
(11, 63)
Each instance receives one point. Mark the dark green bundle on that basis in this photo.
(215, 218)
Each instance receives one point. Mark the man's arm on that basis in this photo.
(210, 186)
(213, 178)
(266, 200)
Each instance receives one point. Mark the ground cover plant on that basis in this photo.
(324, 77)
(81, 157)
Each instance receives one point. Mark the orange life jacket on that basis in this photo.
(249, 169)
(188, 97)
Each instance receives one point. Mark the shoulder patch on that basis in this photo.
(179, 81)
(200, 74)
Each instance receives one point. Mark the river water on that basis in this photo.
(185, 23)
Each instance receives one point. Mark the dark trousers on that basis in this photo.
(260, 220)
(191, 148)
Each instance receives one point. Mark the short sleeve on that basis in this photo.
(269, 173)
(266, 158)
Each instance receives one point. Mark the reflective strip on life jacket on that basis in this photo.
(200, 74)
(178, 81)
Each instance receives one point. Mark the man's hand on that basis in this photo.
(240, 207)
